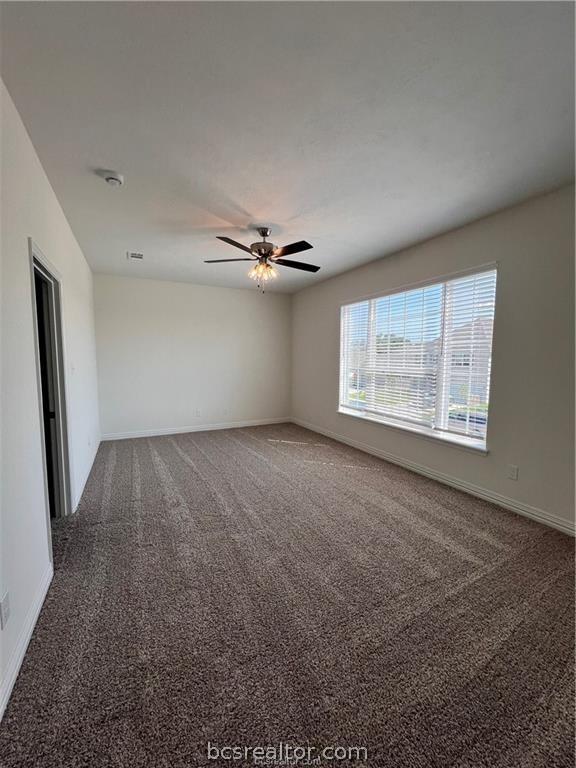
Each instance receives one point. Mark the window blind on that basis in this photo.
(422, 357)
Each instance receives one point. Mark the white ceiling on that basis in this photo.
(361, 127)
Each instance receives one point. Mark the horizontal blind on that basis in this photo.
(354, 354)
(467, 354)
(422, 357)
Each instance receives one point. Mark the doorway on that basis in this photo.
(46, 308)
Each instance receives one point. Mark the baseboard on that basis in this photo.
(17, 656)
(194, 428)
(521, 508)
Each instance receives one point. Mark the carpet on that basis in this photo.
(266, 586)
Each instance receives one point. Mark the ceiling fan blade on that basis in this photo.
(301, 245)
(234, 243)
(220, 261)
(297, 265)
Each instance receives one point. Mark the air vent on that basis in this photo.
(134, 256)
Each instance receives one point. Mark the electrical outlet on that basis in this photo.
(4, 610)
(197, 411)
(512, 472)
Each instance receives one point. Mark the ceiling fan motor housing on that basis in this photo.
(263, 250)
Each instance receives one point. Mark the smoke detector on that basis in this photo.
(113, 178)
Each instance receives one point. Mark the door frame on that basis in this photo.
(39, 263)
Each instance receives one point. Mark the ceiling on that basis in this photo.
(361, 127)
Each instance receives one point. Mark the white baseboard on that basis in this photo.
(17, 655)
(194, 428)
(520, 507)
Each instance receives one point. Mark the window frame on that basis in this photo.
(452, 439)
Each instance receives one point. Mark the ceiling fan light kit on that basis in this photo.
(267, 255)
(263, 272)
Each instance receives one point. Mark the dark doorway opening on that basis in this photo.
(48, 326)
(48, 385)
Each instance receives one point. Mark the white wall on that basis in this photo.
(176, 356)
(30, 209)
(531, 420)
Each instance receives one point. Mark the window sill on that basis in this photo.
(455, 441)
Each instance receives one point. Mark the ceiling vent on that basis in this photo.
(134, 256)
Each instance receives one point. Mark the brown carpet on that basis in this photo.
(266, 585)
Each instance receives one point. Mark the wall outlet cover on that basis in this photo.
(512, 472)
(4, 610)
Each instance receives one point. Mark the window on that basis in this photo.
(421, 359)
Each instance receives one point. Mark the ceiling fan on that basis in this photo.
(266, 255)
